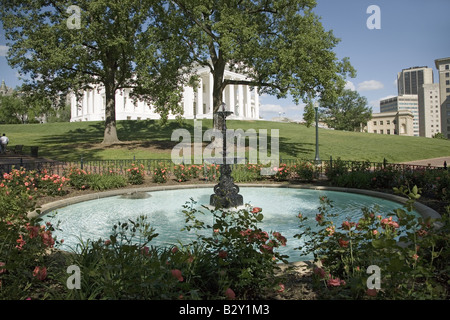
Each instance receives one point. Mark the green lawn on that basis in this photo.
(148, 140)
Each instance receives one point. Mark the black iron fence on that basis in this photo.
(120, 166)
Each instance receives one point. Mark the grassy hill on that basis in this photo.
(149, 140)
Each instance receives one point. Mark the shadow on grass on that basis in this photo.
(145, 135)
(86, 142)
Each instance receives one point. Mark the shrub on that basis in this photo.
(335, 169)
(195, 170)
(402, 246)
(243, 257)
(160, 174)
(182, 173)
(211, 172)
(24, 247)
(246, 173)
(304, 170)
(82, 180)
(355, 179)
(282, 172)
(136, 174)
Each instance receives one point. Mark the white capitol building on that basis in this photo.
(242, 100)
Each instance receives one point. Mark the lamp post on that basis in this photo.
(316, 108)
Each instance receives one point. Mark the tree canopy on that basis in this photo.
(348, 112)
(77, 44)
(281, 45)
(151, 46)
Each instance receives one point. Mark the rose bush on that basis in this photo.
(405, 248)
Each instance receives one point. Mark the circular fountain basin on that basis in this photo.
(94, 219)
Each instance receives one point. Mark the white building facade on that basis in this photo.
(429, 110)
(403, 103)
(242, 100)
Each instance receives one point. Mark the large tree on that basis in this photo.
(280, 44)
(348, 112)
(64, 45)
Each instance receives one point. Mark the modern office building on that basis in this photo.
(443, 67)
(409, 81)
(197, 103)
(429, 110)
(396, 122)
(403, 103)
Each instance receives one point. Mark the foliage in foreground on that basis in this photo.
(232, 257)
(409, 254)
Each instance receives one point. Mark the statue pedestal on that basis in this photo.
(226, 193)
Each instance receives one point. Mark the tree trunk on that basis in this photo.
(219, 70)
(110, 135)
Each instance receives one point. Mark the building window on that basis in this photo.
(381, 123)
(375, 123)
(447, 74)
(388, 131)
(374, 131)
(447, 82)
(381, 131)
(388, 122)
(447, 66)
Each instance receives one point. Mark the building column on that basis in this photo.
(210, 95)
(240, 99)
(256, 103)
(84, 104)
(249, 102)
(231, 98)
(199, 98)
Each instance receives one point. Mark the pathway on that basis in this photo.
(435, 162)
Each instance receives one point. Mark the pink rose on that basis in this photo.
(177, 274)
(229, 293)
(256, 210)
(335, 282)
(40, 273)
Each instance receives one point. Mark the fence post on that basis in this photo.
(81, 162)
(384, 163)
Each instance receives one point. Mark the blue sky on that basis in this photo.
(413, 33)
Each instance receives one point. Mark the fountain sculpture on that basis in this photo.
(226, 193)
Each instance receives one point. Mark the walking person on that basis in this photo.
(3, 143)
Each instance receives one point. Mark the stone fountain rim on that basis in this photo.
(423, 210)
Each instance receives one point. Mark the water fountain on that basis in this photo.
(226, 193)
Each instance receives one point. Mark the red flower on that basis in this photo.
(280, 238)
(33, 231)
(177, 274)
(343, 243)
(40, 273)
(20, 242)
(47, 239)
(256, 210)
(229, 293)
(319, 272)
(371, 292)
(223, 254)
(281, 288)
(319, 217)
(346, 225)
(335, 282)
